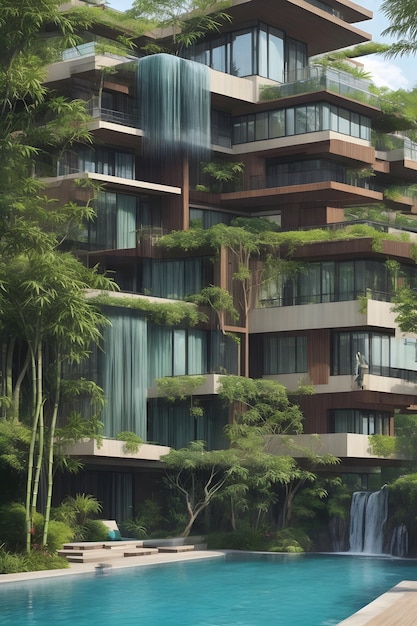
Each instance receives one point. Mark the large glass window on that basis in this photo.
(302, 172)
(359, 421)
(108, 162)
(261, 50)
(175, 278)
(118, 219)
(242, 53)
(172, 424)
(176, 352)
(219, 54)
(298, 121)
(296, 59)
(330, 281)
(284, 354)
(383, 354)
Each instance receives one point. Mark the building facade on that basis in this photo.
(312, 150)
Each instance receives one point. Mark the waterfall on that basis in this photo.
(399, 541)
(174, 97)
(368, 516)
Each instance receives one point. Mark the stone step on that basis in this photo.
(92, 556)
(99, 545)
(140, 552)
(186, 548)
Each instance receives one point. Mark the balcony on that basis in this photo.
(307, 177)
(94, 47)
(115, 117)
(326, 315)
(395, 147)
(317, 78)
(110, 449)
(346, 446)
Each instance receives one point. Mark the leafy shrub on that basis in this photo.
(237, 540)
(40, 561)
(13, 563)
(35, 561)
(96, 530)
(135, 528)
(13, 526)
(58, 534)
(290, 540)
(148, 520)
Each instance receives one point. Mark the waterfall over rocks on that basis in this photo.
(368, 517)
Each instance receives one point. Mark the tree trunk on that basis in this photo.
(51, 453)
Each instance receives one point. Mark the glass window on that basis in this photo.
(334, 118)
(346, 280)
(179, 350)
(312, 119)
(325, 116)
(290, 122)
(251, 127)
(360, 422)
(285, 354)
(365, 128)
(344, 121)
(218, 54)
(240, 130)
(300, 120)
(242, 50)
(355, 125)
(276, 55)
(277, 123)
(296, 58)
(327, 281)
(261, 130)
(262, 52)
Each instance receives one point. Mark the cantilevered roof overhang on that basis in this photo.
(321, 30)
(328, 193)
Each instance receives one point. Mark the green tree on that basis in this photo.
(188, 20)
(200, 476)
(46, 322)
(260, 409)
(401, 15)
(262, 412)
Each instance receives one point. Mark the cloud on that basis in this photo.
(386, 73)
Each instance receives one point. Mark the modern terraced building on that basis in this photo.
(314, 145)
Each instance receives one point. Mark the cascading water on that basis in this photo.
(174, 98)
(399, 541)
(368, 516)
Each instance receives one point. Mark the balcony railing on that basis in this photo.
(393, 143)
(317, 78)
(95, 47)
(279, 300)
(305, 178)
(117, 117)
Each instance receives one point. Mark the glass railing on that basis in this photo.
(305, 178)
(391, 143)
(96, 47)
(317, 78)
(279, 300)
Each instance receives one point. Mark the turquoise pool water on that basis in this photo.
(287, 590)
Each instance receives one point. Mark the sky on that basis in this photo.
(400, 73)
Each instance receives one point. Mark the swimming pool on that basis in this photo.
(296, 590)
